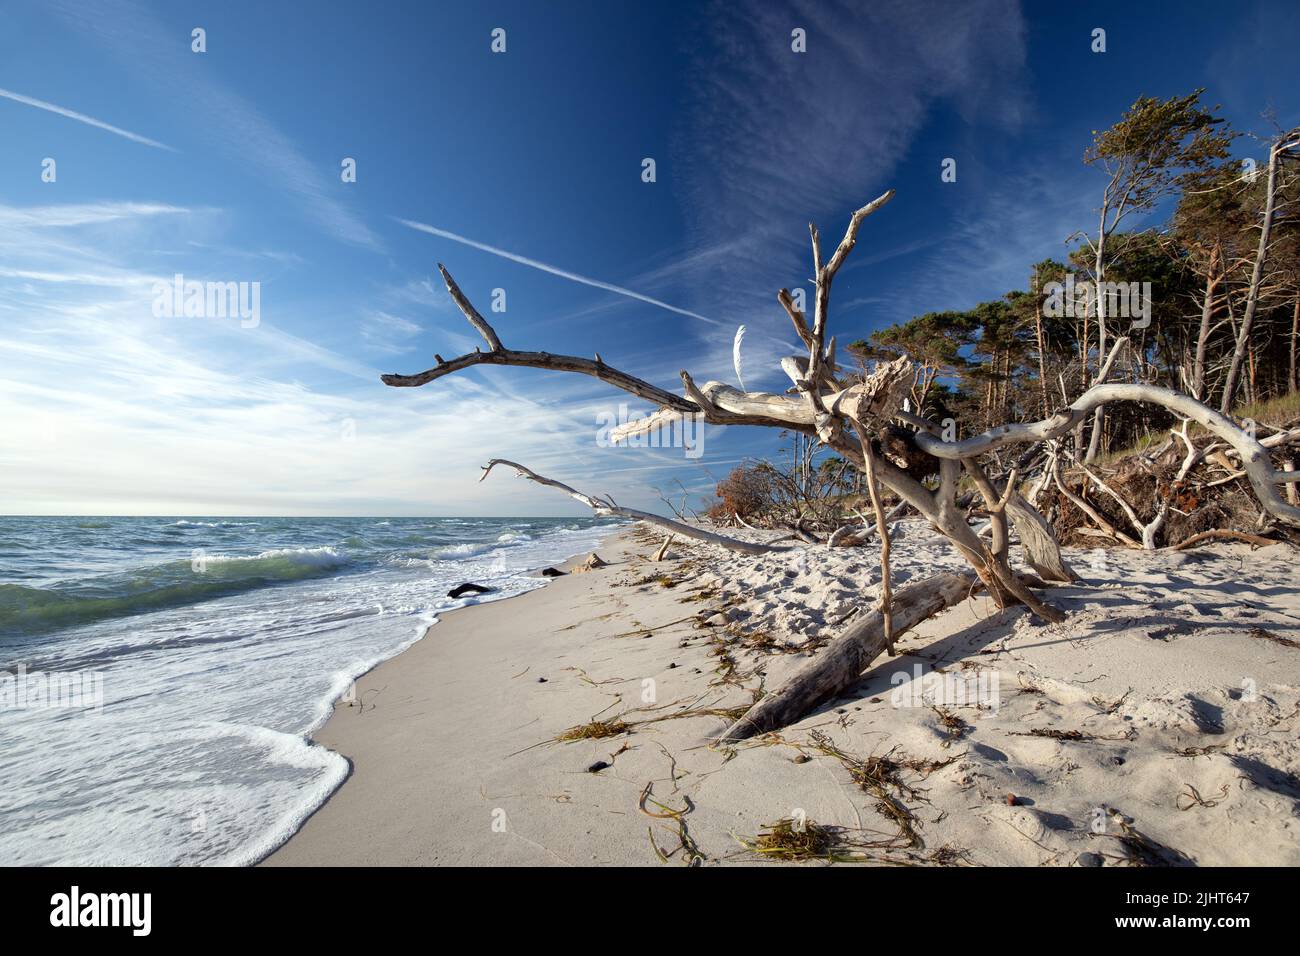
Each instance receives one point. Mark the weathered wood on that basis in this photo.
(593, 562)
(841, 663)
(886, 591)
(607, 506)
(1037, 541)
(827, 409)
(1254, 456)
(663, 548)
(1222, 534)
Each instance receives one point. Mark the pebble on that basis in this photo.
(1089, 859)
(541, 680)
(597, 767)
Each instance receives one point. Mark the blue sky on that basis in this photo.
(225, 166)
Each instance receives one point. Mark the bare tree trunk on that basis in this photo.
(1256, 277)
(1252, 384)
(1099, 267)
(1042, 358)
(1292, 383)
(1203, 334)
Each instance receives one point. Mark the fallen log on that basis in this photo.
(842, 662)
(1222, 534)
(860, 533)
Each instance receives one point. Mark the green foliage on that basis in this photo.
(1156, 146)
(1007, 360)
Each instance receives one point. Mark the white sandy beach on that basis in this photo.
(1158, 724)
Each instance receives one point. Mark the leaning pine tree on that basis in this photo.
(862, 418)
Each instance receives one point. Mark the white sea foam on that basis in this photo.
(200, 754)
(322, 557)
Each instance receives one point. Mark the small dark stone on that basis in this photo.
(840, 710)
(1012, 800)
(875, 700)
(541, 680)
(672, 665)
(597, 767)
(1089, 859)
(1117, 761)
(802, 758)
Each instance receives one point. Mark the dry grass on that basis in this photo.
(881, 776)
(595, 730)
(795, 840)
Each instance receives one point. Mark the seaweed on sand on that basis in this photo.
(881, 776)
(596, 729)
(798, 840)
(692, 855)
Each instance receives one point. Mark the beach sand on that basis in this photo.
(1157, 725)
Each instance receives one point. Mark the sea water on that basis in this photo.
(206, 650)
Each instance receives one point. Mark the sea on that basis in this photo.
(160, 677)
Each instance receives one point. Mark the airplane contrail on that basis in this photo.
(83, 118)
(554, 270)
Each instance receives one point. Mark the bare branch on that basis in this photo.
(851, 234)
(1254, 456)
(607, 506)
(475, 319)
(796, 317)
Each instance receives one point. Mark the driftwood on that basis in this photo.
(854, 415)
(886, 592)
(861, 532)
(840, 664)
(607, 506)
(593, 562)
(1223, 534)
(663, 548)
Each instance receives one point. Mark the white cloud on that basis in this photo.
(555, 270)
(111, 410)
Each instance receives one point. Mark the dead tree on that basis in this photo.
(1276, 154)
(850, 414)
